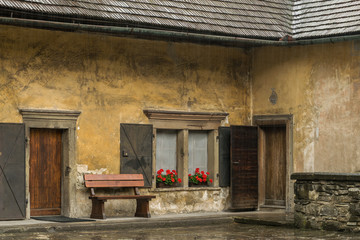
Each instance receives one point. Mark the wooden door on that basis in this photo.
(244, 167)
(12, 171)
(275, 165)
(45, 172)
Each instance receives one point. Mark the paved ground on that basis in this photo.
(171, 220)
(178, 227)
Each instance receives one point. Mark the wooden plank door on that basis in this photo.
(244, 167)
(12, 171)
(45, 172)
(136, 150)
(275, 165)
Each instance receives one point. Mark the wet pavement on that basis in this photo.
(219, 225)
(218, 231)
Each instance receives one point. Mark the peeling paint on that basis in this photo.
(318, 84)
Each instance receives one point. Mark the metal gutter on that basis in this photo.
(333, 39)
(139, 32)
(167, 35)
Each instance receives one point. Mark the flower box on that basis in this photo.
(170, 179)
(199, 179)
(164, 185)
(202, 184)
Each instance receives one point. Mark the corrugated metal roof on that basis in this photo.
(270, 19)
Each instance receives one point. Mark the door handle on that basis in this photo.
(236, 163)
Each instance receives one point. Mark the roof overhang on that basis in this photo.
(169, 35)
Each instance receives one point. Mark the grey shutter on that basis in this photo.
(12, 171)
(136, 150)
(224, 156)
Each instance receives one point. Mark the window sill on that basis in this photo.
(181, 189)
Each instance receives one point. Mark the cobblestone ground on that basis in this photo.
(223, 231)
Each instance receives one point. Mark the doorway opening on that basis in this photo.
(50, 161)
(275, 161)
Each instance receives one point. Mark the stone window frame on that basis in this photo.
(66, 121)
(183, 122)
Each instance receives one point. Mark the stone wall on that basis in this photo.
(329, 201)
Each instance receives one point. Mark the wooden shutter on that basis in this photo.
(136, 150)
(244, 167)
(224, 156)
(12, 171)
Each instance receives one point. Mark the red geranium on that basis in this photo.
(200, 177)
(169, 178)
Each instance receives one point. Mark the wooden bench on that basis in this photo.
(134, 181)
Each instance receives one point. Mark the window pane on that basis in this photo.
(165, 149)
(198, 142)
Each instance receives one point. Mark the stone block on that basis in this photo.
(331, 187)
(300, 221)
(342, 192)
(323, 198)
(354, 209)
(302, 191)
(328, 210)
(354, 193)
(332, 225)
(311, 209)
(351, 223)
(299, 208)
(313, 195)
(354, 218)
(342, 199)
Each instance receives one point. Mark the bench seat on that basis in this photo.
(133, 181)
(104, 197)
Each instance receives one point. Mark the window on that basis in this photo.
(198, 150)
(166, 149)
(185, 141)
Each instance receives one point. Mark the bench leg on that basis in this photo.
(98, 210)
(142, 208)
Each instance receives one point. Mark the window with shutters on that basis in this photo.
(184, 141)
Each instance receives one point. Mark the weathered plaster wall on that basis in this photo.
(319, 85)
(111, 80)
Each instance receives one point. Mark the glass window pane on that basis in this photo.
(165, 150)
(198, 144)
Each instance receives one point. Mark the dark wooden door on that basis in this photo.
(12, 171)
(275, 165)
(45, 172)
(244, 167)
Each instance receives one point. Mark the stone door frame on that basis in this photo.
(273, 120)
(66, 121)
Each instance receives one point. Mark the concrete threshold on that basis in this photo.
(169, 220)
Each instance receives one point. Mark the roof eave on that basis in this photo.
(145, 33)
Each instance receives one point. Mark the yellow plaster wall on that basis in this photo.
(320, 86)
(111, 80)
